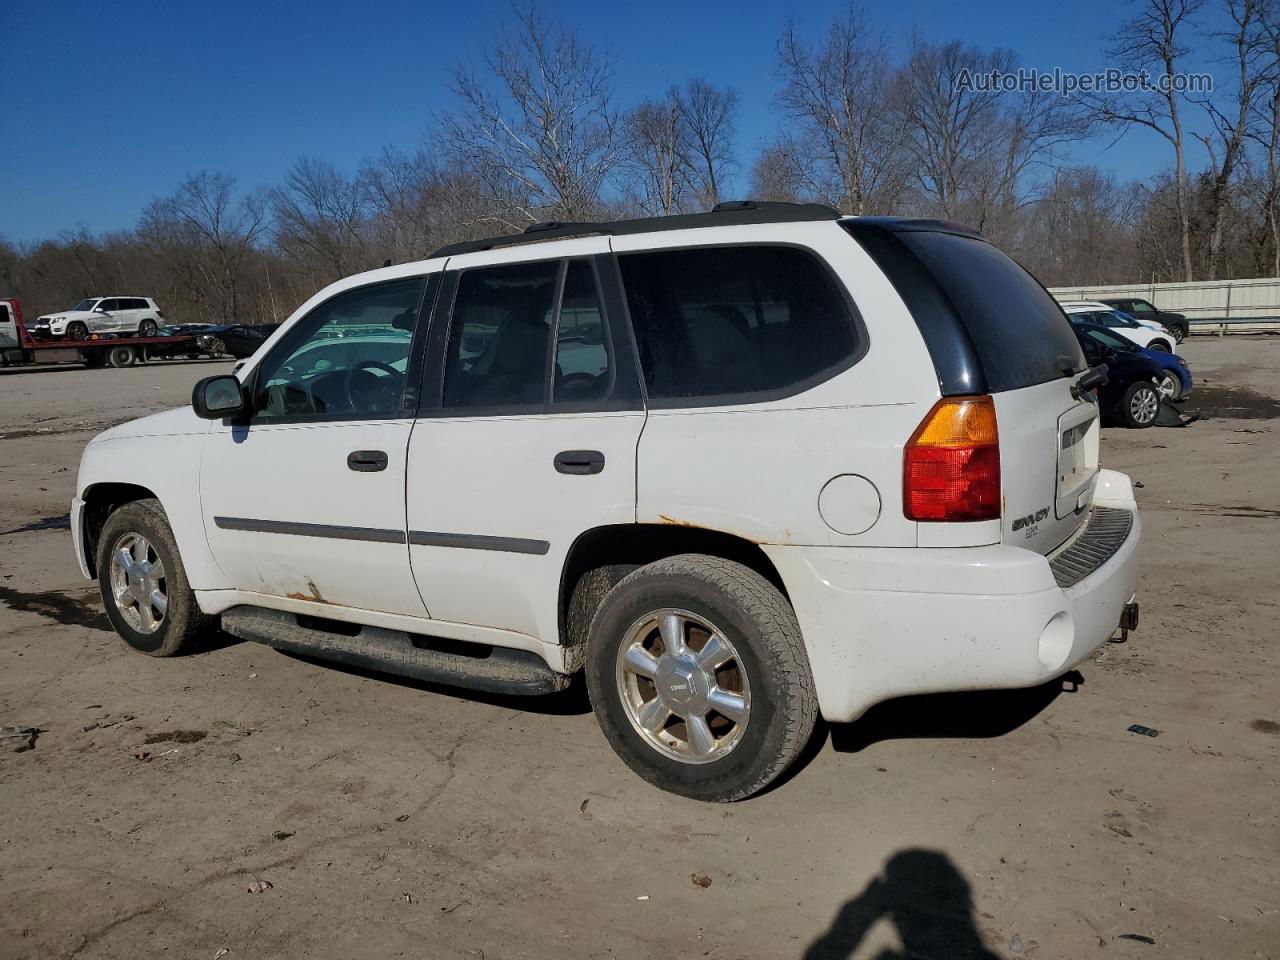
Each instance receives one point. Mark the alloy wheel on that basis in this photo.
(1144, 404)
(138, 583)
(683, 686)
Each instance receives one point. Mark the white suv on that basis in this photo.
(1144, 333)
(128, 315)
(743, 468)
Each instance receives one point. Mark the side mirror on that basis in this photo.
(99, 310)
(214, 398)
(1108, 353)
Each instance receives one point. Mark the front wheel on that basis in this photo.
(76, 330)
(699, 679)
(144, 585)
(1178, 331)
(1170, 386)
(1140, 405)
(1160, 345)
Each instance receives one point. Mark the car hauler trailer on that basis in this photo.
(18, 346)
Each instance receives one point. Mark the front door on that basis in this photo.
(105, 316)
(306, 501)
(530, 442)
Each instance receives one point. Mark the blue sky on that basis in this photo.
(107, 105)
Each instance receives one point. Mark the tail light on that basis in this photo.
(951, 466)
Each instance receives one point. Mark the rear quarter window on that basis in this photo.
(1017, 329)
(733, 324)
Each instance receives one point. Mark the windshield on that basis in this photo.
(1122, 320)
(85, 304)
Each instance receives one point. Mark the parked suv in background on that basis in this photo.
(1139, 309)
(123, 315)
(741, 468)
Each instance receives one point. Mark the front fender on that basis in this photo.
(169, 468)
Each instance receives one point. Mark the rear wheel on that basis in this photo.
(1140, 405)
(121, 356)
(216, 348)
(699, 679)
(147, 328)
(76, 330)
(144, 585)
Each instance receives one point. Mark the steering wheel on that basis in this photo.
(361, 366)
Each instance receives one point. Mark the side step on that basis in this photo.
(459, 664)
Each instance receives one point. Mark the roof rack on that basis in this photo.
(729, 214)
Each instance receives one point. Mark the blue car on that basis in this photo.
(1175, 378)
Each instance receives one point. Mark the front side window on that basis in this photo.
(109, 306)
(1142, 307)
(499, 336)
(85, 305)
(736, 323)
(348, 357)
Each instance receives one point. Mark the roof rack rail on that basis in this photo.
(728, 214)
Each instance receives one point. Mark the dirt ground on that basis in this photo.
(393, 819)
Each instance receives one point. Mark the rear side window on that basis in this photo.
(736, 323)
(1019, 332)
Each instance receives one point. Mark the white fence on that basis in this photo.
(1244, 304)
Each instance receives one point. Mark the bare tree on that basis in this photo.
(319, 218)
(656, 144)
(1153, 40)
(1252, 62)
(974, 151)
(778, 173)
(207, 236)
(707, 115)
(540, 128)
(838, 92)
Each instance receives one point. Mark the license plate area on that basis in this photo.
(1077, 459)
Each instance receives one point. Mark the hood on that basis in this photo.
(68, 315)
(170, 423)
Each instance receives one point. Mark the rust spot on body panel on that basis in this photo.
(313, 597)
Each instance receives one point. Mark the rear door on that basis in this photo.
(1029, 357)
(529, 438)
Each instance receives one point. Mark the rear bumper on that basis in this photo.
(886, 622)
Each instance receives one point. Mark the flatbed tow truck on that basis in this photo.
(18, 346)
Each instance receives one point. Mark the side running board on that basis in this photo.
(451, 662)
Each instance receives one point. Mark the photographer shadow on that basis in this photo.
(928, 902)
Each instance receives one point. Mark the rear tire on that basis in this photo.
(735, 647)
(148, 599)
(147, 328)
(121, 356)
(1140, 405)
(76, 330)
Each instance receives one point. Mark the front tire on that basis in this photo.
(1178, 331)
(144, 585)
(77, 330)
(1170, 387)
(1162, 345)
(699, 679)
(1140, 405)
